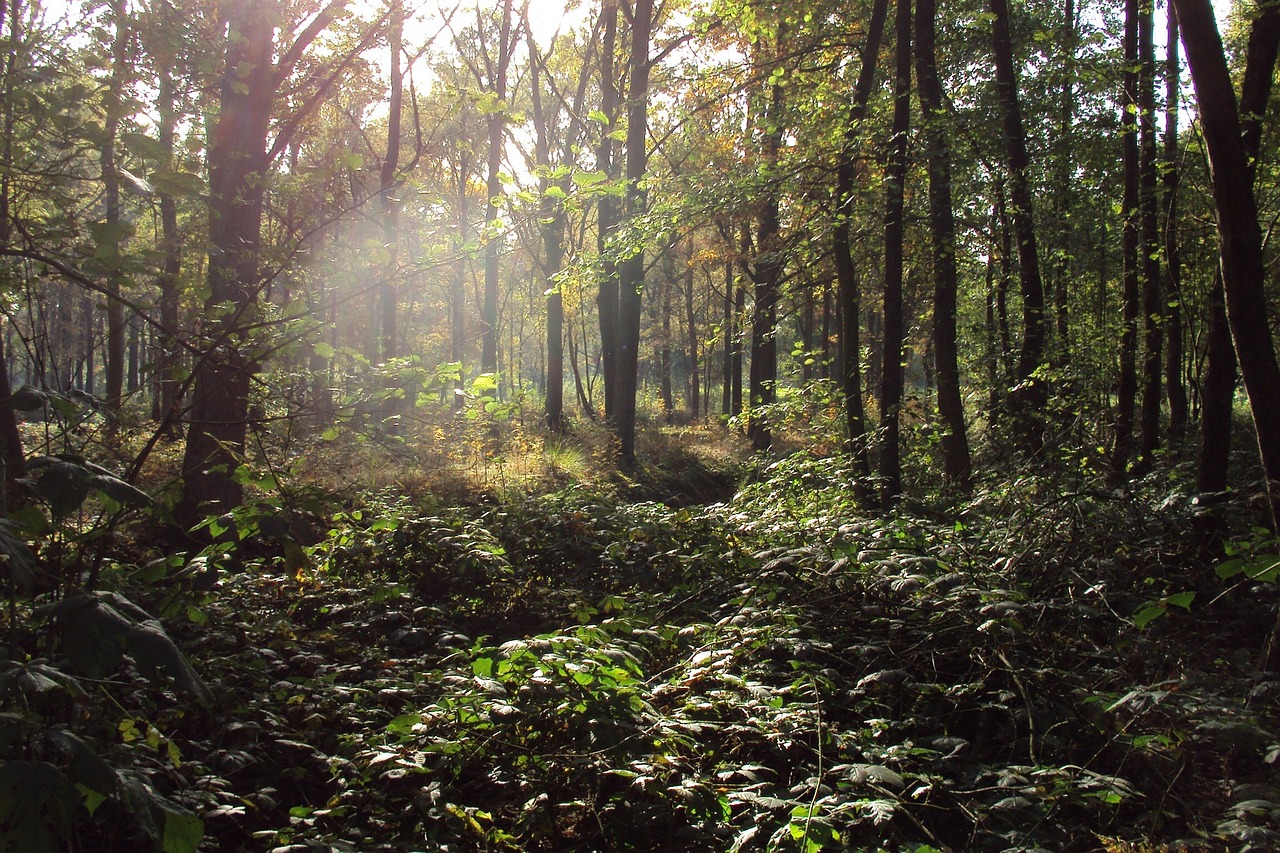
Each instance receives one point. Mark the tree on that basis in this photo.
(1029, 400)
(631, 269)
(1243, 272)
(894, 229)
(239, 159)
(497, 74)
(1127, 383)
(955, 442)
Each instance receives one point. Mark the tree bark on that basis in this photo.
(631, 270)
(1243, 271)
(114, 108)
(767, 274)
(606, 212)
(1173, 371)
(1029, 400)
(1152, 286)
(493, 245)
(1218, 393)
(955, 443)
(238, 161)
(894, 325)
(1127, 381)
(850, 297)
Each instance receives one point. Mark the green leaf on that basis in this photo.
(182, 830)
(1181, 599)
(178, 184)
(1149, 613)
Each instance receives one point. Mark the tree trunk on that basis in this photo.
(114, 109)
(894, 325)
(955, 442)
(389, 202)
(606, 212)
(11, 455)
(767, 275)
(168, 360)
(730, 332)
(1243, 271)
(238, 160)
(850, 297)
(1173, 373)
(631, 270)
(458, 283)
(493, 245)
(1218, 393)
(1029, 400)
(1152, 286)
(1127, 381)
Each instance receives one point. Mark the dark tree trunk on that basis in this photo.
(1029, 400)
(767, 275)
(631, 270)
(237, 162)
(168, 360)
(1243, 271)
(1174, 354)
(739, 313)
(606, 212)
(1218, 391)
(665, 389)
(850, 297)
(1127, 381)
(11, 455)
(691, 326)
(1152, 286)
(115, 367)
(730, 332)
(955, 442)
(894, 324)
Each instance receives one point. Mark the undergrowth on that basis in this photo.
(1044, 666)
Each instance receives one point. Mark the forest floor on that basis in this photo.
(698, 657)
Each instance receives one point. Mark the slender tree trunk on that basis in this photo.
(955, 442)
(458, 284)
(768, 275)
(1218, 390)
(1243, 270)
(168, 364)
(606, 212)
(631, 270)
(730, 332)
(740, 313)
(1152, 286)
(493, 245)
(389, 202)
(115, 366)
(666, 391)
(894, 326)
(1029, 401)
(691, 326)
(850, 297)
(1127, 381)
(1062, 259)
(1173, 353)
(11, 454)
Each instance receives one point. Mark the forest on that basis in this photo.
(655, 425)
